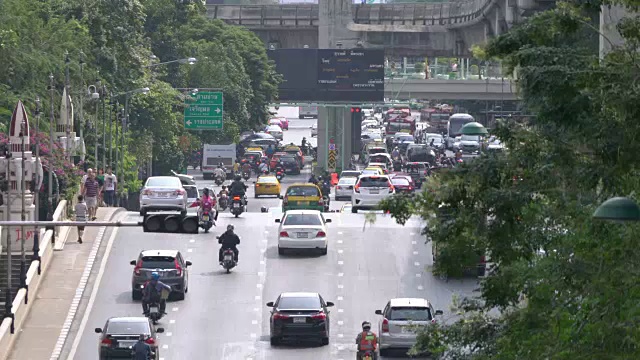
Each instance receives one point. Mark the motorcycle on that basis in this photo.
(206, 221)
(237, 205)
(219, 180)
(368, 355)
(279, 174)
(223, 202)
(246, 175)
(228, 261)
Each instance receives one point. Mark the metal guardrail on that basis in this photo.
(450, 14)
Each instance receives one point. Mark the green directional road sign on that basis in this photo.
(204, 111)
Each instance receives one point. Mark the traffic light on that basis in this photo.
(170, 223)
(356, 130)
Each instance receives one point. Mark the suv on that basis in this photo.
(399, 319)
(168, 263)
(163, 193)
(369, 190)
(121, 333)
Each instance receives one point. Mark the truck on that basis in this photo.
(212, 155)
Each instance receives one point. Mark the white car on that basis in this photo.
(163, 193)
(275, 131)
(381, 165)
(344, 189)
(369, 191)
(314, 130)
(302, 229)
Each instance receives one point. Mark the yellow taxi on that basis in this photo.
(374, 170)
(266, 185)
(302, 196)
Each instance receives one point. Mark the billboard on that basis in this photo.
(330, 75)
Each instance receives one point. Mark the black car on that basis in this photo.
(169, 264)
(291, 165)
(299, 315)
(121, 333)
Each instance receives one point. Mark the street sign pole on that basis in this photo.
(205, 111)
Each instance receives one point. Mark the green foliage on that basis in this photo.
(562, 285)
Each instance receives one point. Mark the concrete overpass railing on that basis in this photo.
(449, 14)
(433, 89)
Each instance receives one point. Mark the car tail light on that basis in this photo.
(433, 321)
(236, 198)
(385, 326)
(150, 341)
(357, 188)
(319, 316)
(285, 200)
(257, 185)
(321, 234)
(278, 316)
(178, 267)
(320, 202)
(284, 234)
(410, 187)
(338, 187)
(136, 270)
(179, 192)
(106, 342)
(146, 192)
(391, 188)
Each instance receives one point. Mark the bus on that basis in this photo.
(454, 125)
(404, 123)
(310, 111)
(436, 116)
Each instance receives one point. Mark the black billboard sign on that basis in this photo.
(330, 75)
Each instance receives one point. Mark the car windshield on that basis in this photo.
(158, 262)
(302, 219)
(299, 303)
(192, 192)
(128, 328)
(413, 313)
(303, 191)
(374, 182)
(288, 160)
(400, 181)
(267, 180)
(164, 182)
(350, 174)
(470, 138)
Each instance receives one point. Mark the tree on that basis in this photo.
(561, 282)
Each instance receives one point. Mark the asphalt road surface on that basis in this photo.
(224, 315)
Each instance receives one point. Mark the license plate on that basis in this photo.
(162, 195)
(236, 205)
(125, 344)
(374, 191)
(303, 203)
(303, 235)
(407, 330)
(153, 309)
(228, 257)
(299, 320)
(205, 218)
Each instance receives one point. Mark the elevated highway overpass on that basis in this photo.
(490, 89)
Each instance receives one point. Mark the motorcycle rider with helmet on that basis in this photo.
(229, 240)
(263, 167)
(395, 153)
(279, 167)
(151, 293)
(207, 202)
(220, 172)
(141, 350)
(238, 188)
(246, 167)
(367, 340)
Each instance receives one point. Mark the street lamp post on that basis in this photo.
(92, 92)
(190, 61)
(67, 85)
(104, 132)
(8, 298)
(23, 212)
(81, 113)
(52, 122)
(36, 235)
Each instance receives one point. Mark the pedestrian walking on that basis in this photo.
(100, 179)
(91, 192)
(110, 183)
(84, 178)
(81, 215)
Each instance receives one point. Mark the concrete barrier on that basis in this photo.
(19, 308)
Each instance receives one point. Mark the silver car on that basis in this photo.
(400, 317)
(344, 189)
(163, 193)
(470, 144)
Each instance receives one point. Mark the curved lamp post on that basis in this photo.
(474, 128)
(618, 209)
(189, 61)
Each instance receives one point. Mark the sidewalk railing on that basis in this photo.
(9, 328)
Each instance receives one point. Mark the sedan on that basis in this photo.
(299, 315)
(267, 185)
(314, 130)
(402, 185)
(275, 131)
(344, 189)
(121, 333)
(302, 229)
(163, 193)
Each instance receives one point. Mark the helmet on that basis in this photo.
(224, 187)
(205, 191)
(230, 227)
(366, 325)
(155, 275)
(238, 178)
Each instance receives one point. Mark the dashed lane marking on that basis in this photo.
(189, 250)
(340, 262)
(339, 241)
(340, 251)
(416, 263)
(165, 346)
(340, 286)
(420, 287)
(259, 286)
(418, 275)
(340, 274)
(339, 232)
(340, 298)
(168, 334)
(413, 242)
(340, 322)
(174, 309)
(413, 234)
(415, 253)
(257, 297)
(172, 321)
(192, 240)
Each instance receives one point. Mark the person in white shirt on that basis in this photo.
(84, 178)
(110, 183)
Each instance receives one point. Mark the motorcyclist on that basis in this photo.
(279, 167)
(151, 293)
(229, 240)
(264, 167)
(313, 179)
(367, 340)
(395, 153)
(206, 203)
(325, 185)
(141, 350)
(236, 167)
(304, 145)
(238, 188)
(270, 151)
(224, 191)
(219, 172)
(246, 168)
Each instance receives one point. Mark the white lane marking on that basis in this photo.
(340, 310)
(161, 358)
(260, 273)
(340, 298)
(413, 234)
(340, 335)
(340, 274)
(172, 321)
(415, 253)
(92, 297)
(189, 250)
(253, 336)
(340, 322)
(165, 346)
(266, 232)
(340, 286)
(257, 297)
(420, 287)
(254, 322)
(339, 232)
(168, 334)
(340, 262)
(416, 263)
(174, 309)
(261, 262)
(263, 250)
(256, 309)
(339, 241)
(264, 241)
(259, 286)
(413, 242)
(418, 275)
(340, 251)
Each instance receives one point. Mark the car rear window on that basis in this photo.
(158, 262)
(303, 191)
(299, 303)
(288, 160)
(413, 313)
(374, 182)
(191, 192)
(400, 181)
(347, 181)
(378, 159)
(350, 174)
(267, 180)
(128, 328)
(302, 219)
(377, 151)
(164, 181)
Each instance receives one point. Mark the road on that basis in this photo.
(224, 315)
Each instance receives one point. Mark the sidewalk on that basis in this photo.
(41, 329)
